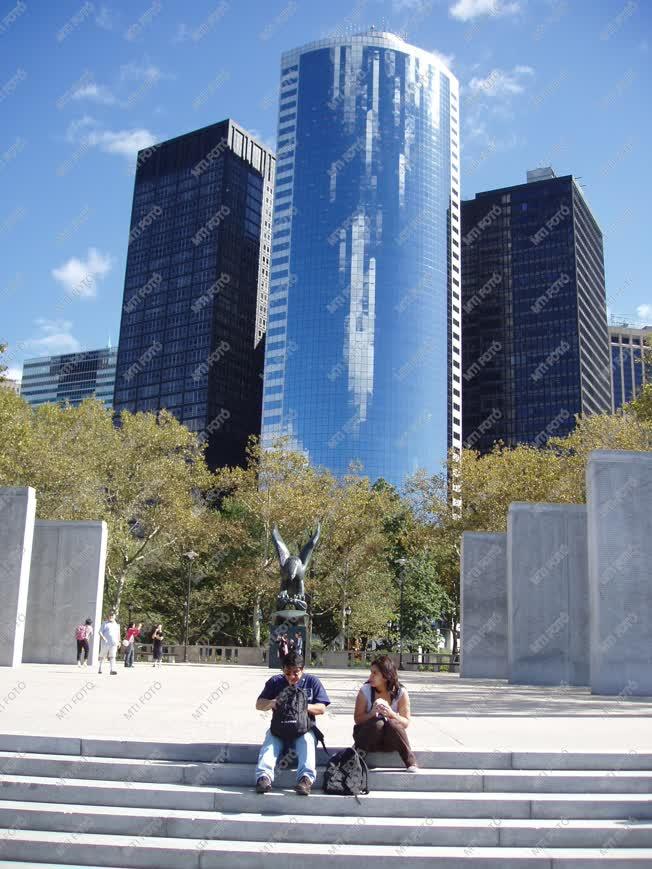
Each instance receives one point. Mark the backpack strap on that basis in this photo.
(319, 736)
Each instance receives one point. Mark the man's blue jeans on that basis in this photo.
(272, 748)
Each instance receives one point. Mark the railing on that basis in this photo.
(436, 661)
(202, 654)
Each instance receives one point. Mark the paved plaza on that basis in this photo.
(205, 703)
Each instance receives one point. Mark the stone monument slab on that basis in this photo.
(65, 588)
(17, 515)
(547, 594)
(619, 500)
(483, 606)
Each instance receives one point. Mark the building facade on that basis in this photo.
(631, 362)
(536, 345)
(70, 377)
(362, 358)
(196, 284)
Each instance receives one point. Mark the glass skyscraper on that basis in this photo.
(196, 284)
(534, 321)
(631, 362)
(70, 377)
(363, 343)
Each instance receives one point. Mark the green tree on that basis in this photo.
(277, 487)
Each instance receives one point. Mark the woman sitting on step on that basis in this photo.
(382, 713)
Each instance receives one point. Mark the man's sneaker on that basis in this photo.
(303, 786)
(412, 768)
(114, 672)
(263, 785)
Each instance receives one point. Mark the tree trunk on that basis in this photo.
(256, 620)
(455, 649)
(118, 594)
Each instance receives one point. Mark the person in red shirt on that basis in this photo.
(133, 633)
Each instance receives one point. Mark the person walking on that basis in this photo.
(110, 635)
(83, 633)
(382, 713)
(133, 633)
(298, 644)
(157, 642)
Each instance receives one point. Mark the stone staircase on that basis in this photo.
(95, 802)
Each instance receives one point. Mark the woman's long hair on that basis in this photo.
(389, 673)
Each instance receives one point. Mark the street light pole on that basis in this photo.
(186, 621)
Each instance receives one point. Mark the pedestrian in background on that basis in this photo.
(157, 641)
(83, 633)
(133, 632)
(110, 636)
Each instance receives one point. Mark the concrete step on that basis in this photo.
(225, 752)
(172, 853)
(387, 779)
(328, 830)
(377, 804)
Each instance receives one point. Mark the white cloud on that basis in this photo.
(88, 131)
(14, 374)
(500, 82)
(55, 337)
(409, 5)
(125, 142)
(644, 312)
(140, 72)
(106, 18)
(446, 59)
(467, 10)
(129, 73)
(95, 92)
(80, 277)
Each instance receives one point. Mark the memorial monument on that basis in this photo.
(291, 617)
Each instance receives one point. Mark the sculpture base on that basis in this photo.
(294, 623)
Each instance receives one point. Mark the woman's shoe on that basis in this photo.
(412, 768)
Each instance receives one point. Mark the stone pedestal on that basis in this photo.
(619, 501)
(17, 513)
(293, 623)
(65, 588)
(547, 594)
(484, 606)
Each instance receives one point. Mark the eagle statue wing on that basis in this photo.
(306, 553)
(281, 548)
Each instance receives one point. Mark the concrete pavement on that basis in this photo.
(205, 703)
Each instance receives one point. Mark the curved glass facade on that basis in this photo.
(362, 350)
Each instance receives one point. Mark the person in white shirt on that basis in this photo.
(110, 636)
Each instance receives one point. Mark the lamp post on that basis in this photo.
(347, 613)
(191, 555)
(402, 562)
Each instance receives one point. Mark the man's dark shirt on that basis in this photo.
(315, 691)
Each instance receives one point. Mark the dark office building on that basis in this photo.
(196, 286)
(535, 344)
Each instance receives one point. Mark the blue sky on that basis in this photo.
(84, 85)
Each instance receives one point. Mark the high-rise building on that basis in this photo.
(363, 342)
(70, 377)
(534, 322)
(196, 283)
(631, 361)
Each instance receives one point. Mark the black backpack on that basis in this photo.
(347, 774)
(290, 717)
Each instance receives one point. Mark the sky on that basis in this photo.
(85, 85)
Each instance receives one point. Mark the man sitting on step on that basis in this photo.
(295, 698)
